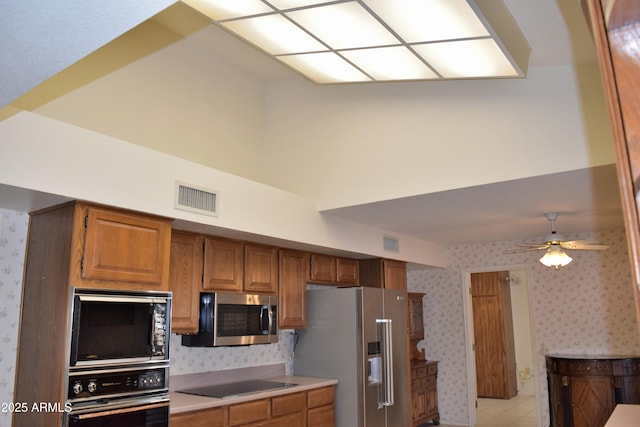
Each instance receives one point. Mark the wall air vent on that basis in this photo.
(391, 244)
(196, 199)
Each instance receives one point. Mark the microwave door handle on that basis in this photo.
(265, 310)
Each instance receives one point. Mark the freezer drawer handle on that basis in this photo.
(385, 330)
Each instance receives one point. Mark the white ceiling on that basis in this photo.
(587, 200)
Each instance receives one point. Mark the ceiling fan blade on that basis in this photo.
(534, 245)
(533, 248)
(582, 246)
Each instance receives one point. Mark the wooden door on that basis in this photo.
(493, 335)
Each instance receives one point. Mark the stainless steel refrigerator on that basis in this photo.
(358, 336)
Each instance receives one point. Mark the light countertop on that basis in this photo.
(181, 402)
(624, 416)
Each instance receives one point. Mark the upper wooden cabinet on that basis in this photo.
(235, 266)
(260, 268)
(334, 270)
(185, 281)
(118, 249)
(223, 265)
(292, 289)
(383, 273)
(124, 247)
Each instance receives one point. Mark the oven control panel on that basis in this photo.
(108, 383)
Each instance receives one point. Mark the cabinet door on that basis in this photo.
(323, 268)
(324, 416)
(591, 400)
(206, 418)
(395, 274)
(260, 268)
(249, 412)
(293, 274)
(185, 280)
(123, 247)
(419, 402)
(416, 323)
(223, 265)
(347, 271)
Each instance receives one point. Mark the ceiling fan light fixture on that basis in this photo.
(555, 257)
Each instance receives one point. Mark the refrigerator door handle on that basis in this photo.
(385, 328)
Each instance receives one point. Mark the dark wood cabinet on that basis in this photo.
(185, 281)
(334, 270)
(223, 265)
(424, 392)
(77, 244)
(293, 275)
(583, 391)
(415, 323)
(312, 408)
(383, 273)
(260, 268)
(121, 248)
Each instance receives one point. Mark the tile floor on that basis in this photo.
(517, 412)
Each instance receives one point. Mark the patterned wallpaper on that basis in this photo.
(586, 307)
(13, 233)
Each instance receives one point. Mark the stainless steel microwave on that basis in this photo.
(113, 327)
(229, 319)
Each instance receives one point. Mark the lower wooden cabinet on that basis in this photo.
(213, 417)
(312, 408)
(584, 391)
(424, 392)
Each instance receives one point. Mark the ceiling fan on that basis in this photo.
(554, 244)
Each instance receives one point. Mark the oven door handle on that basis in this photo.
(116, 411)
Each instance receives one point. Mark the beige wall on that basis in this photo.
(336, 145)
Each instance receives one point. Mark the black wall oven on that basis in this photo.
(118, 373)
(119, 328)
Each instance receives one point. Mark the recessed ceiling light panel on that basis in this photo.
(390, 63)
(274, 34)
(467, 59)
(379, 40)
(344, 26)
(225, 9)
(429, 20)
(326, 67)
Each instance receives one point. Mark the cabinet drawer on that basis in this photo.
(281, 405)
(320, 397)
(244, 413)
(419, 372)
(321, 417)
(292, 420)
(432, 369)
(205, 418)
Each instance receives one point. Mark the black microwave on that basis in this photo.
(113, 327)
(230, 319)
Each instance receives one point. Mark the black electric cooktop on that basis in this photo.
(236, 389)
